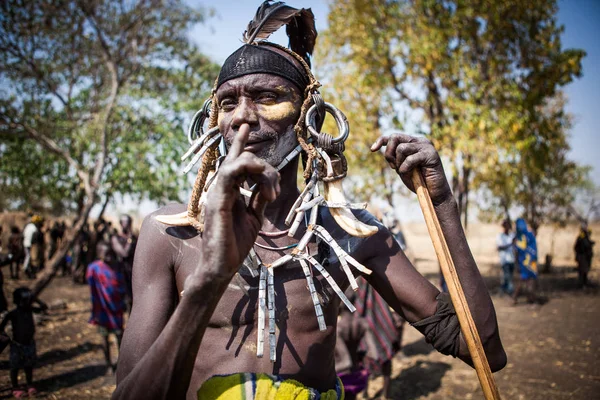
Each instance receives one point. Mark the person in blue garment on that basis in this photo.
(527, 257)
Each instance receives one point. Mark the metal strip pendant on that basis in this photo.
(313, 294)
(262, 306)
(200, 153)
(289, 157)
(271, 307)
(307, 189)
(324, 235)
(330, 280)
(199, 142)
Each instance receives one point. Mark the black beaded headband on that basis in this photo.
(256, 59)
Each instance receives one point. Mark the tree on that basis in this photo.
(586, 207)
(477, 75)
(95, 101)
(540, 180)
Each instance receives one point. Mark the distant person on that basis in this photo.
(506, 251)
(107, 286)
(526, 246)
(28, 233)
(37, 249)
(386, 326)
(55, 238)
(22, 346)
(584, 252)
(123, 244)
(355, 342)
(15, 251)
(97, 236)
(80, 255)
(57, 232)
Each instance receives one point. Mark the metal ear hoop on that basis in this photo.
(323, 139)
(200, 146)
(196, 128)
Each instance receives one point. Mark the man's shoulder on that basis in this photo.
(344, 239)
(364, 216)
(158, 240)
(152, 223)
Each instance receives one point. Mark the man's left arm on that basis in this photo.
(396, 279)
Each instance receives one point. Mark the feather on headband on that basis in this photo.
(300, 26)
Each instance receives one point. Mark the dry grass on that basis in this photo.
(482, 240)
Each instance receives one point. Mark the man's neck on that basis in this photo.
(277, 211)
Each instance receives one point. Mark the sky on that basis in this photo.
(222, 33)
(581, 19)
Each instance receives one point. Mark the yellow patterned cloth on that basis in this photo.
(248, 386)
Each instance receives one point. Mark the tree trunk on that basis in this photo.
(106, 201)
(54, 263)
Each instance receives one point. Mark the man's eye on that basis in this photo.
(227, 104)
(267, 97)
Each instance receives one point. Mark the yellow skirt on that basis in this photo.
(248, 386)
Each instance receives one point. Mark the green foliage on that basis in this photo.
(81, 75)
(482, 80)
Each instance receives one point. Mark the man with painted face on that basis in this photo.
(197, 321)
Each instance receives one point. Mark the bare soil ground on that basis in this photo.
(553, 349)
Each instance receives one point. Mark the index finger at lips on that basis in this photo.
(239, 141)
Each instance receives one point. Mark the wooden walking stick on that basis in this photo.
(467, 325)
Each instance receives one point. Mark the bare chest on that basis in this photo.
(293, 303)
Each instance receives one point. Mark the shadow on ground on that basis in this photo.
(420, 347)
(57, 355)
(64, 380)
(419, 380)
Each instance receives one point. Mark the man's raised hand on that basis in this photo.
(404, 153)
(231, 226)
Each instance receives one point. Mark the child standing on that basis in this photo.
(107, 285)
(22, 346)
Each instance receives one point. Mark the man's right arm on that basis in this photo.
(162, 340)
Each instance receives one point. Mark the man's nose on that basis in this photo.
(245, 113)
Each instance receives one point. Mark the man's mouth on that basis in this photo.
(254, 143)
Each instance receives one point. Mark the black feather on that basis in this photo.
(272, 16)
(303, 34)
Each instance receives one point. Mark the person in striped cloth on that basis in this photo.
(107, 287)
(386, 326)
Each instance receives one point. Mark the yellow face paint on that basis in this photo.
(273, 112)
(282, 110)
(277, 112)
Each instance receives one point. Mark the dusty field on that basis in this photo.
(553, 350)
